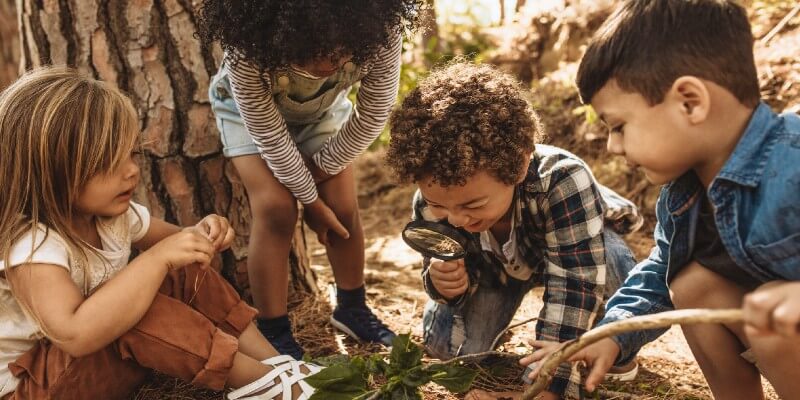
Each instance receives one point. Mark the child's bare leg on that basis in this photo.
(778, 358)
(715, 346)
(346, 255)
(274, 211)
(253, 344)
(244, 370)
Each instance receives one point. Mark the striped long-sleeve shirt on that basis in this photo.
(252, 90)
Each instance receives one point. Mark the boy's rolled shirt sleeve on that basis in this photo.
(574, 263)
(644, 292)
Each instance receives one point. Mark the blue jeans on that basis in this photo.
(449, 332)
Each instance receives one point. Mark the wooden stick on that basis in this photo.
(780, 25)
(652, 321)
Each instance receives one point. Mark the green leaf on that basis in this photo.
(376, 365)
(402, 392)
(328, 361)
(456, 379)
(341, 378)
(416, 377)
(405, 354)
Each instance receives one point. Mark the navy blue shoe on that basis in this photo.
(284, 343)
(361, 324)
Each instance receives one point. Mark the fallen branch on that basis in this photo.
(774, 31)
(653, 321)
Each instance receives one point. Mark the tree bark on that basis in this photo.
(147, 49)
(9, 43)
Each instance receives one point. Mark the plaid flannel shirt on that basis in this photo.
(561, 212)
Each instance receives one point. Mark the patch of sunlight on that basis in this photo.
(486, 12)
(467, 12)
(392, 249)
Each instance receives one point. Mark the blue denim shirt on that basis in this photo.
(757, 200)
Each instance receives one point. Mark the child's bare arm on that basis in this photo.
(158, 230)
(82, 325)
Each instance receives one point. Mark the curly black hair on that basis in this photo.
(462, 119)
(277, 33)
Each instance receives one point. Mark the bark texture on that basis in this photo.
(148, 49)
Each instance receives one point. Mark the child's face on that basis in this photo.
(476, 206)
(325, 66)
(109, 194)
(658, 139)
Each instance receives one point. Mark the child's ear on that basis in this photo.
(691, 95)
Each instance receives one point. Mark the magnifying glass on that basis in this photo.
(438, 240)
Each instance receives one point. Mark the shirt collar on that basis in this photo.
(746, 164)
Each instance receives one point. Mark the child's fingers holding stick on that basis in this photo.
(773, 308)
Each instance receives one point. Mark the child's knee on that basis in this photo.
(690, 288)
(348, 216)
(774, 350)
(278, 216)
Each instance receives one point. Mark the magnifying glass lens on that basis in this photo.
(433, 243)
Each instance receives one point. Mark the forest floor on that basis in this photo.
(394, 288)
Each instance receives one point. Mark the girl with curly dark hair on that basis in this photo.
(280, 99)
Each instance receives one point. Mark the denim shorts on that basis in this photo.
(309, 136)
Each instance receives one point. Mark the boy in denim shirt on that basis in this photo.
(466, 136)
(676, 83)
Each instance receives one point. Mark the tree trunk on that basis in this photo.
(147, 48)
(9, 43)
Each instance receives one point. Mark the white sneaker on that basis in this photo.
(286, 372)
(623, 373)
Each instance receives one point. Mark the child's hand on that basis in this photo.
(773, 308)
(450, 278)
(180, 249)
(218, 230)
(322, 220)
(543, 350)
(600, 358)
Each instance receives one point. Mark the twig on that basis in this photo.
(478, 356)
(510, 327)
(659, 320)
(780, 25)
(611, 395)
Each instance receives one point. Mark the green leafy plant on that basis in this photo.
(353, 378)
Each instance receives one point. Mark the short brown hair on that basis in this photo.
(647, 44)
(462, 119)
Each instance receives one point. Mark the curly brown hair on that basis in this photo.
(462, 119)
(277, 33)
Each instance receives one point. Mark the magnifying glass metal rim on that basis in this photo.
(441, 228)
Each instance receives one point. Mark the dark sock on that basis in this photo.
(273, 326)
(351, 298)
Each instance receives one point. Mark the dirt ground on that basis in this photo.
(394, 287)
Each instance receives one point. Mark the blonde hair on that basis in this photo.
(58, 129)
